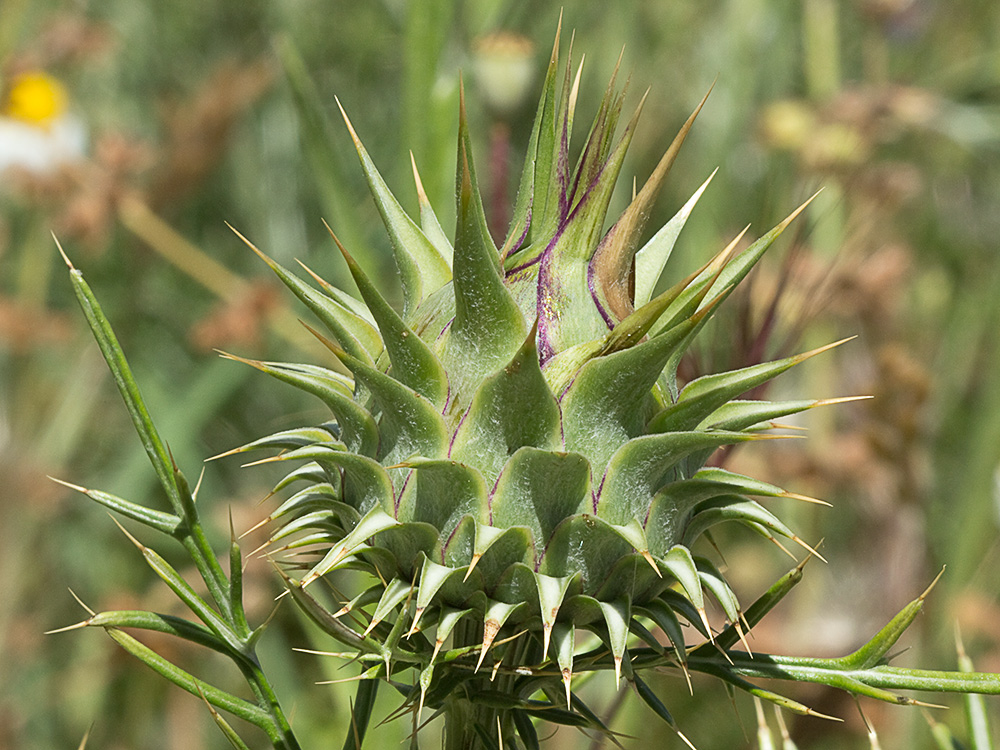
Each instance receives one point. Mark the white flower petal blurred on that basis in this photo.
(41, 149)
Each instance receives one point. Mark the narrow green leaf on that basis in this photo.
(472, 216)
(218, 698)
(320, 496)
(366, 484)
(872, 652)
(309, 472)
(666, 620)
(191, 599)
(743, 263)
(166, 523)
(361, 713)
(446, 624)
(158, 623)
(548, 204)
(525, 729)
(227, 730)
(755, 613)
(650, 699)
(238, 614)
(331, 625)
(740, 415)
(127, 386)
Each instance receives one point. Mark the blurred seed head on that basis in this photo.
(504, 67)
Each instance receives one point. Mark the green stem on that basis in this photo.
(284, 738)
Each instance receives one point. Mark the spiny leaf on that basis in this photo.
(395, 592)
(497, 613)
(566, 316)
(219, 698)
(537, 160)
(616, 618)
(602, 408)
(741, 415)
(374, 521)
(444, 491)
(872, 652)
(287, 439)
(679, 563)
(167, 523)
(641, 466)
(551, 592)
(563, 641)
(732, 508)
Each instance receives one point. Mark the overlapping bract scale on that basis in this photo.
(513, 449)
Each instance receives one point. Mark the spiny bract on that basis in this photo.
(513, 459)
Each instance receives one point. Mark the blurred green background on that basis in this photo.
(200, 113)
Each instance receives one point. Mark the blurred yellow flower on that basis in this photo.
(36, 97)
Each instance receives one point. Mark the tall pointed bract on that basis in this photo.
(422, 268)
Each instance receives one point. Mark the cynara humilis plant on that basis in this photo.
(514, 463)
